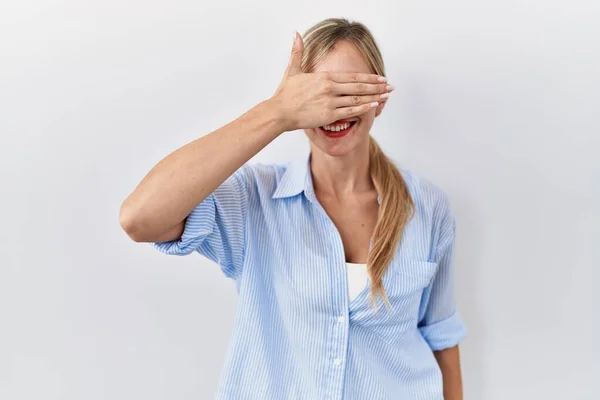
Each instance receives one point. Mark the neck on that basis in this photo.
(341, 176)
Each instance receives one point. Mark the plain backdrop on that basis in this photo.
(497, 102)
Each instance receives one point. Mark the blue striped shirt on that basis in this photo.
(296, 334)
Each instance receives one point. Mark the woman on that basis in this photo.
(317, 247)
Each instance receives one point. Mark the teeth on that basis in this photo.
(336, 128)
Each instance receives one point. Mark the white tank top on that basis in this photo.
(358, 279)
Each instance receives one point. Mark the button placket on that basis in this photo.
(338, 342)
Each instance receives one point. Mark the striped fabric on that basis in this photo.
(297, 335)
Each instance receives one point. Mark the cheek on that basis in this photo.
(370, 116)
(310, 133)
(366, 120)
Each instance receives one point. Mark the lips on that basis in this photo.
(338, 128)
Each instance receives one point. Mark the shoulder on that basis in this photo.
(263, 179)
(262, 174)
(427, 196)
(432, 208)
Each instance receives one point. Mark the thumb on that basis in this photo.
(293, 67)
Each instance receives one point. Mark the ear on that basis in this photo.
(379, 108)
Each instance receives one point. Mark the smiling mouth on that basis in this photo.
(338, 128)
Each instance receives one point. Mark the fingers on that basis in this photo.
(293, 67)
(356, 77)
(361, 89)
(356, 100)
(353, 111)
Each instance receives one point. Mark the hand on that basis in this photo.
(310, 100)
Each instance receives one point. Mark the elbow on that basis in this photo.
(131, 222)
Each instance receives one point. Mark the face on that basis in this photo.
(333, 139)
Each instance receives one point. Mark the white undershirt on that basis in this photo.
(357, 279)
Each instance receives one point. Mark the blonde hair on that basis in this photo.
(396, 205)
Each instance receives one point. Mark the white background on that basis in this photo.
(497, 103)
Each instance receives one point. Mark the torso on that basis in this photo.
(296, 319)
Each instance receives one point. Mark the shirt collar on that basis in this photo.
(296, 179)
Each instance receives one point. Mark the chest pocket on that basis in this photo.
(406, 276)
(404, 282)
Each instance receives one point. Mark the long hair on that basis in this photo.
(396, 205)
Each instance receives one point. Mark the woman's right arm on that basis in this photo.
(156, 210)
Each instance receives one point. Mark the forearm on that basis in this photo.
(449, 362)
(183, 179)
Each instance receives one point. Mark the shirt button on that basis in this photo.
(337, 362)
(340, 319)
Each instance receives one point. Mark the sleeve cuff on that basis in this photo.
(445, 333)
(198, 225)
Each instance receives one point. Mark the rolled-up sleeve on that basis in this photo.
(216, 227)
(440, 324)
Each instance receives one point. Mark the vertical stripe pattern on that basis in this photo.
(296, 334)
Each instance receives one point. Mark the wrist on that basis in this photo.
(274, 108)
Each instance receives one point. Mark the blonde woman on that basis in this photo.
(343, 264)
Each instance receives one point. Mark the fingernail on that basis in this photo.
(382, 79)
(373, 104)
(385, 95)
(389, 88)
(295, 33)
